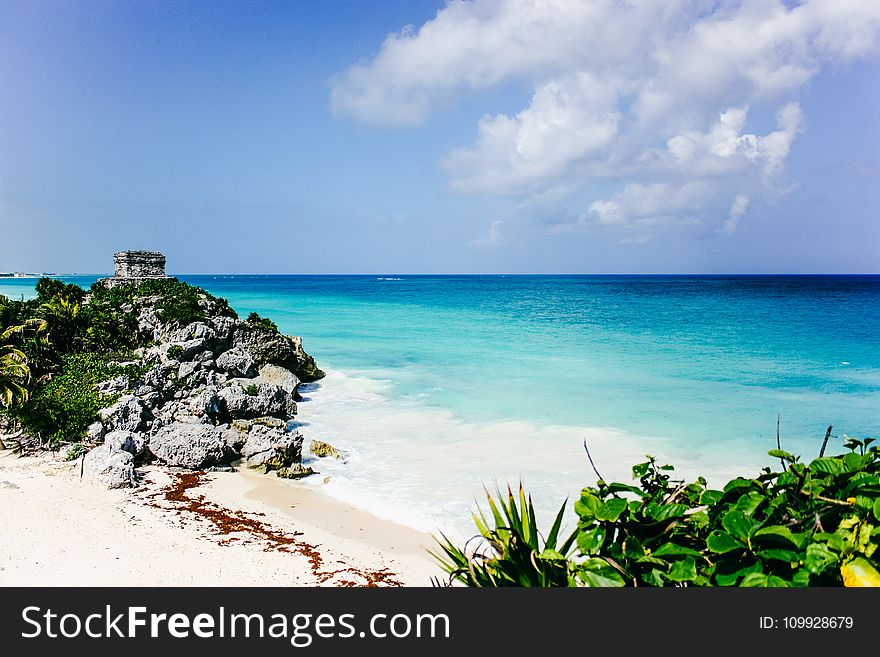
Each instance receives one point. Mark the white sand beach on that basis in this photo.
(218, 529)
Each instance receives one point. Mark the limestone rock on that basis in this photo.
(205, 402)
(237, 362)
(271, 448)
(95, 432)
(281, 377)
(111, 466)
(192, 446)
(113, 386)
(270, 347)
(324, 450)
(128, 414)
(126, 441)
(296, 471)
(247, 400)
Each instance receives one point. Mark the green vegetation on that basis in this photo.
(74, 452)
(63, 408)
(251, 389)
(175, 351)
(112, 324)
(809, 524)
(263, 322)
(56, 347)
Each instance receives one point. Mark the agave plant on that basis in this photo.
(510, 551)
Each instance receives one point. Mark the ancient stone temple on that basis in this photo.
(134, 267)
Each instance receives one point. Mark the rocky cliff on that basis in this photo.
(211, 392)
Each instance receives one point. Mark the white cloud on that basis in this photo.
(567, 120)
(650, 205)
(491, 238)
(737, 212)
(650, 95)
(724, 149)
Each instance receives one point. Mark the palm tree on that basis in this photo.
(14, 371)
(61, 320)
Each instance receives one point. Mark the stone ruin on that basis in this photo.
(135, 267)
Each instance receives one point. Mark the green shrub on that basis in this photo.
(49, 289)
(63, 408)
(74, 452)
(175, 351)
(251, 389)
(262, 322)
(815, 524)
(176, 303)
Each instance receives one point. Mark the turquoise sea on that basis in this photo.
(439, 385)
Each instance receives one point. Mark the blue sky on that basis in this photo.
(486, 136)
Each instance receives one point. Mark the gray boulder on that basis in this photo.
(113, 386)
(247, 399)
(187, 370)
(271, 448)
(271, 347)
(193, 446)
(281, 377)
(128, 414)
(237, 362)
(204, 403)
(95, 432)
(126, 441)
(111, 466)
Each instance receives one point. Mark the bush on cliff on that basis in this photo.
(63, 408)
(809, 524)
(113, 326)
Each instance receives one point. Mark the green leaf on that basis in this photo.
(554, 530)
(738, 525)
(729, 577)
(749, 502)
(711, 497)
(818, 558)
(633, 548)
(720, 542)
(739, 482)
(664, 512)
(586, 506)
(598, 573)
(655, 577)
(828, 465)
(590, 542)
(778, 532)
(617, 487)
(610, 511)
(683, 571)
(835, 541)
(673, 550)
(877, 508)
(779, 555)
(782, 454)
(853, 462)
(755, 579)
(551, 555)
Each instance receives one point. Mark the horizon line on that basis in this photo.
(388, 273)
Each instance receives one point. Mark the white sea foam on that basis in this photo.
(423, 467)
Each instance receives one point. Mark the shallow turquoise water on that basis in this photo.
(697, 368)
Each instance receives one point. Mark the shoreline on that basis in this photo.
(214, 529)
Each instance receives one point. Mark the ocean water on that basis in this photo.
(440, 385)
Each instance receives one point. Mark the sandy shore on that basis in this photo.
(219, 529)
